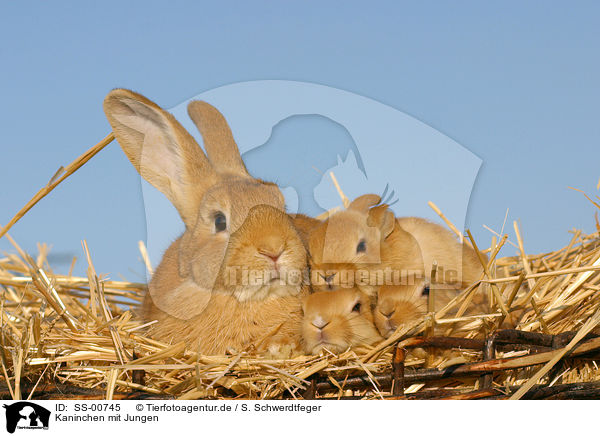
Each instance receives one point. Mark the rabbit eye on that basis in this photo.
(361, 247)
(220, 222)
(356, 307)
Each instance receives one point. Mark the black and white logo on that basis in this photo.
(26, 415)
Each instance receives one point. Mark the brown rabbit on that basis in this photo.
(235, 274)
(305, 225)
(456, 263)
(367, 246)
(398, 305)
(337, 320)
(360, 246)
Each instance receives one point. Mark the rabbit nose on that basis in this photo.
(328, 278)
(319, 322)
(271, 255)
(387, 312)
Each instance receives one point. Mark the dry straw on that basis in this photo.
(80, 337)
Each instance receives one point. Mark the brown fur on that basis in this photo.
(402, 304)
(457, 264)
(333, 244)
(342, 327)
(192, 293)
(305, 225)
(399, 305)
(214, 321)
(406, 246)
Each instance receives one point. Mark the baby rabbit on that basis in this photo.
(337, 320)
(399, 305)
(235, 274)
(359, 245)
(456, 263)
(367, 246)
(305, 225)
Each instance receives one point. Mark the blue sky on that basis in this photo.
(515, 83)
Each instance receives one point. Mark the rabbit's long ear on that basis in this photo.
(162, 151)
(383, 218)
(364, 202)
(220, 146)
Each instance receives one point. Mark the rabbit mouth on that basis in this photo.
(328, 346)
(388, 329)
(385, 326)
(324, 340)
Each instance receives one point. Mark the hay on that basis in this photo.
(80, 337)
(83, 332)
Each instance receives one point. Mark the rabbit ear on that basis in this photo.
(383, 218)
(162, 151)
(364, 202)
(220, 146)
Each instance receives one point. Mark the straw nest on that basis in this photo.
(80, 337)
(525, 330)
